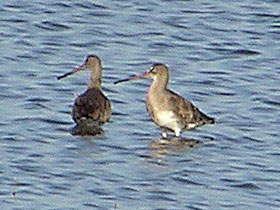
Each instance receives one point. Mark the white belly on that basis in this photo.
(167, 119)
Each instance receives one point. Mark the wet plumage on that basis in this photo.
(92, 106)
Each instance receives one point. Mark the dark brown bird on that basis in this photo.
(168, 110)
(92, 108)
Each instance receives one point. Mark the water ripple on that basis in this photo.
(250, 186)
(51, 26)
(222, 56)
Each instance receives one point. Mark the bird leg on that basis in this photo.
(163, 133)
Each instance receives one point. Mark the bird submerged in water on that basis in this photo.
(92, 108)
(170, 111)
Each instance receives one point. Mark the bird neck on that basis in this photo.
(95, 77)
(159, 84)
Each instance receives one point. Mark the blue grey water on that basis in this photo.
(223, 56)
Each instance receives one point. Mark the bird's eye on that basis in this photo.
(151, 69)
(86, 60)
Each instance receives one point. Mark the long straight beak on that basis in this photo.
(82, 67)
(134, 77)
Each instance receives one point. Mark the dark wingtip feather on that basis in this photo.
(207, 119)
(212, 120)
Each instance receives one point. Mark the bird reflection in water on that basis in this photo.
(86, 129)
(159, 148)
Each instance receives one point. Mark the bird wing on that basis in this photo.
(190, 115)
(92, 105)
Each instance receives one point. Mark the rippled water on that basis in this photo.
(223, 56)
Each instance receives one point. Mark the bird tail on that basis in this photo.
(206, 119)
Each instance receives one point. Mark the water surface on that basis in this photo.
(223, 56)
